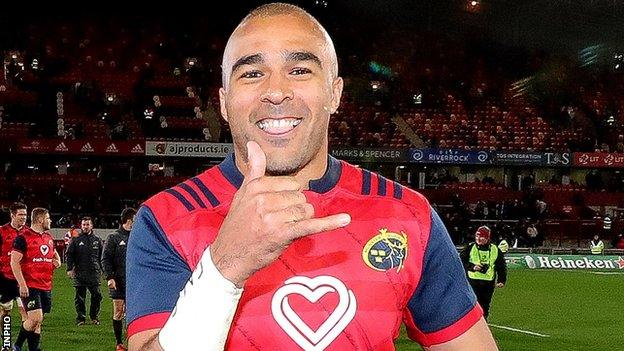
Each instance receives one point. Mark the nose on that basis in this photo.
(277, 90)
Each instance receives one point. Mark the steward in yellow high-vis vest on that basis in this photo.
(485, 266)
(596, 246)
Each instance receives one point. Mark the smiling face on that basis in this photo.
(280, 86)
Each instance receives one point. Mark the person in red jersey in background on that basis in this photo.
(9, 290)
(33, 261)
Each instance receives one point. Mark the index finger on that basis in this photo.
(318, 225)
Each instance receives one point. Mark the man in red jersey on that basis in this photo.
(33, 260)
(282, 247)
(8, 285)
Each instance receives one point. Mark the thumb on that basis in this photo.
(256, 162)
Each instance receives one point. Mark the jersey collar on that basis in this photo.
(322, 185)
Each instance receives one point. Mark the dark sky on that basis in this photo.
(567, 25)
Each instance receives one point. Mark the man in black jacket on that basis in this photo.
(84, 266)
(485, 264)
(114, 263)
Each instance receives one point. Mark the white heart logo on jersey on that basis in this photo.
(313, 289)
(44, 249)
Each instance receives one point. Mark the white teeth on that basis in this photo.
(278, 123)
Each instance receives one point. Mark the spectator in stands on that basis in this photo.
(481, 210)
(527, 181)
(617, 239)
(607, 225)
(532, 235)
(593, 180)
(619, 146)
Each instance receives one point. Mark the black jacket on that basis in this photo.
(114, 256)
(83, 257)
(500, 267)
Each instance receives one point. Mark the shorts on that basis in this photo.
(9, 290)
(38, 299)
(120, 292)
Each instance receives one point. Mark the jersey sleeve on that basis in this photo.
(443, 306)
(108, 255)
(20, 244)
(155, 274)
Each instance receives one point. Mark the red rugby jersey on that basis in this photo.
(350, 288)
(38, 260)
(7, 236)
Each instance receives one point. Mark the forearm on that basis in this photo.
(16, 267)
(107, 268)
(107, 259)
(70, 261)
(207, 293)
(501, 268)
(145, 342)
(57, 259)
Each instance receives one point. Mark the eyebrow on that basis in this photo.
(296, 56)
(303, 56)
(248, 60)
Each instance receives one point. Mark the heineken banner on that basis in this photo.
(369, 155)
(536, 261)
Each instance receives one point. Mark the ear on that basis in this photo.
(337, 86)
(222, 94)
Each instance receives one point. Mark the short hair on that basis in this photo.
(277, 9)
(86, 218)
(37, 213)
(17, 206)
(127, 214)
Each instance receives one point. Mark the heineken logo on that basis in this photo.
(565, 262)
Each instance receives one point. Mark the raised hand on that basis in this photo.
(266, 215)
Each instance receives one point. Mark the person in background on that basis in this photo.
(114, 264)
(33, 261)
(485, 265)
(596, 245)
(9, 290)
(84, 267)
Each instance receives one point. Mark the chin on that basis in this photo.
(286, 166)
(276, 170)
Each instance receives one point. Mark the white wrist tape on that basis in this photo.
(203, 314)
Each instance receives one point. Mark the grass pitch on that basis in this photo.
(577, 310)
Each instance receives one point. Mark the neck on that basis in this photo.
(38, 228)
(16, 226)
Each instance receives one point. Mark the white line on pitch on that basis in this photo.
(607, 273)
(519, 330)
